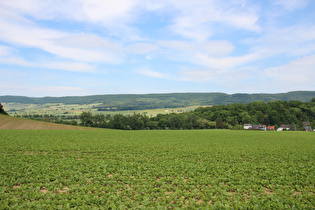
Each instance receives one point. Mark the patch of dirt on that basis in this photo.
(44, 191)
(297, 193)
(14, 123)
(62, 190)
(268, 191)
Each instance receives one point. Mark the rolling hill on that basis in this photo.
(160, 101)
(13, 123)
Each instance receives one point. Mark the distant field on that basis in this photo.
(156, 169)
(60, 109)
(13, 123)
(47, 109)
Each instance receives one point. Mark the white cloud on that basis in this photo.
(218, 76)
(105, 11)
(151, 73)
(205, 36)
(79, 47)
(298, 72)
(4, 50)
(296, 40)
(66, 66)
(291, 4)
(46, 40)
(141, 48)
(227, 62)
(197, 19)
(40, 91)
(8, 56)
(198, 75)
(212, 48)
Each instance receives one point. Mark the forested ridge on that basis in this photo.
(233, 116)
(157, 101)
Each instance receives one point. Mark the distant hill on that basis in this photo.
(13, 123)
(169, 100)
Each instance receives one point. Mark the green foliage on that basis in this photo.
(206, 169)
(219, 123)
(259, 112)
(156, 101)
(2, 110)
(86, 118)
(221, 116)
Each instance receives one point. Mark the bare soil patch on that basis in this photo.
(13, 123)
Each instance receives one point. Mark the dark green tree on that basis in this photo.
(99, 120)
(2, 110)
(219, 123)
(118, 121)
(86, 118)
(293, 127)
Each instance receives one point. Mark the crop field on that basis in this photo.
(76, 109)
(156, 169)
(7, 123)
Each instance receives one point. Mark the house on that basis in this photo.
(284, 127)
(271, 128)
(259, 127)
(262, 127)
(247, 126)
(255, 127)
(306, 123)
(307, 128)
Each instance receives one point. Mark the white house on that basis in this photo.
(247, 126)
(282, 127)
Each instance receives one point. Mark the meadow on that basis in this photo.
(61, 169)
(70, 110)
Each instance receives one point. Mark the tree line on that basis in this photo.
(231, 116)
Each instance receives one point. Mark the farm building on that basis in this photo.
(284, 127)
(247, 126)
(307, 128)
(259, 127)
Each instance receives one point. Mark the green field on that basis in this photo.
(59, 109)
(160, 169)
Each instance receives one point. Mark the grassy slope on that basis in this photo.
(13, 123)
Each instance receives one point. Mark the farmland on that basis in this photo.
(8, 123)
(159, 169)
(71, 110)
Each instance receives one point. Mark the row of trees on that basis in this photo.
(222, 116)
(259, 112)
(117, 121)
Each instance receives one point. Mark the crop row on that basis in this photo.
(159, 169)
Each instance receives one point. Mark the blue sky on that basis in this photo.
(86, 47)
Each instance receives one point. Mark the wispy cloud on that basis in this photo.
(198, 19)
(150, 73)
(291, 4)
(297, 72)
(182, 42)
(10, 89)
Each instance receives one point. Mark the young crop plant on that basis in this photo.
(105, 169)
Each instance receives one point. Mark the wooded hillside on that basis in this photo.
(233, 116)
(156, 101)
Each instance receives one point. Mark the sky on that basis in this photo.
(89, 47)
